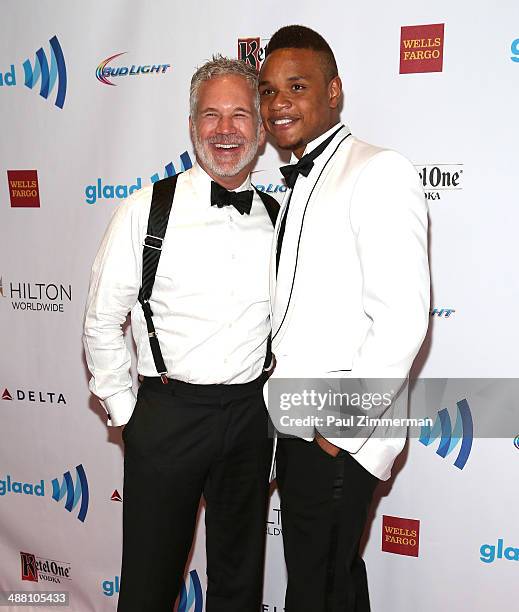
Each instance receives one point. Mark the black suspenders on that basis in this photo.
(161, 202)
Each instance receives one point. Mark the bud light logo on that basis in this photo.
(450, 438)
(50, 74)
(191, 598)
(104, 72)
(75, 494)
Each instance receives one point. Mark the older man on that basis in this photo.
(199, 424)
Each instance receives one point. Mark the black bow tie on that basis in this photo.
(241, 200)
(306, 163)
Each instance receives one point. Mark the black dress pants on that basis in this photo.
(324, 506)
(183, 441)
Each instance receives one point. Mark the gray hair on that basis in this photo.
(222, 66)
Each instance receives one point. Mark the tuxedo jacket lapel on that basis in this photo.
(280, 304)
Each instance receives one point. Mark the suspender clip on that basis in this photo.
(164, 378)
(153, 242)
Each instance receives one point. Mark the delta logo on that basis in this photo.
(49, 74)
(104, 72)
(105, 191)
(36, 297)
(461, 434)
(400, 536)
(24, 191)
(36, 569)
(252, 51)
(75, 494)
(43, 397)
(439, 178)
(421, 48)
(116, 496)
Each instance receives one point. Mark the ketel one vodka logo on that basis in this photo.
(437, 179)
(36, 569)
(252, 50)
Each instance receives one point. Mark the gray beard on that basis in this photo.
(204, 155)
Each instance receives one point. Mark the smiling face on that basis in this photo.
(226, 129)
(298, 104)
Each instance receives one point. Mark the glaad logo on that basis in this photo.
(47, 297)
(36, 568)
(490, 553)
(191, 598)
(51, 74)
(73, 493)
(450, 438)
(99, 191)
(25, 488)
(437, 178)
(103, 73)
(252, 50)
(515, 50)
(110, 587)
(444, 313)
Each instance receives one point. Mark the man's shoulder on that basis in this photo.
(362, 154)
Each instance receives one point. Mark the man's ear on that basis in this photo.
(335, 91)
(262, 134)
(190, 125)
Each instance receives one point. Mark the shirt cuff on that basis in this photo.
(119, 407)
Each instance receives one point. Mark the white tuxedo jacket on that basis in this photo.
(352, 294)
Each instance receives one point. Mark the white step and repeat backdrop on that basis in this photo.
(94, 104)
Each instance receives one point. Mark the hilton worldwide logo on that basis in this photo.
(30, 296)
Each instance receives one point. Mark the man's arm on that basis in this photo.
(389, 219)
(114, 287)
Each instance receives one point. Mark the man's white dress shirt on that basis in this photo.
(210, 299)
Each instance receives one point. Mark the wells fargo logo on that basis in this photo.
(421, 48)
(400, 536)
(23, 188)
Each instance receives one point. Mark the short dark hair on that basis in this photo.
(301, 37)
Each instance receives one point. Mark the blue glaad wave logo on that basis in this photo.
(49, 74)
(75, 494)
(100, 190)
(450, 438)
(191, 598)
(516, 442)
